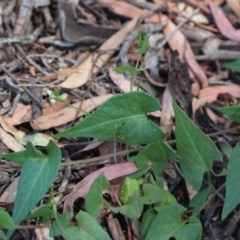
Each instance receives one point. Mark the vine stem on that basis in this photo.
(128, 151)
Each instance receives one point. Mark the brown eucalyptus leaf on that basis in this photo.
(95, 61)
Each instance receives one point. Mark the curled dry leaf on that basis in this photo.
(38, 139)
(10, 141)
(23, 113)
(94, 62)
(68, 114)
(179, 42)
(111, 172)
(18, 134)
(223, 24)
(210, 94)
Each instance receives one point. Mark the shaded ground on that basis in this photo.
(65, 47)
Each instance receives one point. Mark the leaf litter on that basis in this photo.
(76, 54)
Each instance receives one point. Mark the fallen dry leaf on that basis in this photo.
(210, 94)
(10, 141)
(111, 172)
(185, 10)
(95, 61)
(223, 24)
(23, 113)
(37, 139)
(235, 6)
(122, 8)
(191, 191)
(167, 112)
(9, 194)
(214, 117)
(18, 134)
(43, 233)
(120, 80)
(198, 4)
(179, 42)
(68, 114)
(127, 10)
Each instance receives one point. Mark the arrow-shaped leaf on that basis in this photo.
(232, 198)
(35, 179)
(123, 118)
(94, 199)
(197, 150)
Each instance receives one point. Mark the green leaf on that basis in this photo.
(199, 200)
(140, 36)
(127, 69)
(35, 180)
(143, 45)
(152, 194)
(30, 154)
(232, 198)
(128, 188)
(153, 154)
(45, 212)
(123, 118)
(140, 172)
(75, 233)
(170, 153)
(197, 150)
(2, 235)
(60, 224)
(91, 227)
(148, 217)
(94, 199)
(168, 199)
(17, 157)
(33, 153)
(232, 111)
(235, 66)
(6, 220)
(168, 223)
(133, 209)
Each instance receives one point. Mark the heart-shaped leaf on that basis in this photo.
(169, 223)
(123, 117)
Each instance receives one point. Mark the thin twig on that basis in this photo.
(25, 89)
(196, 11)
